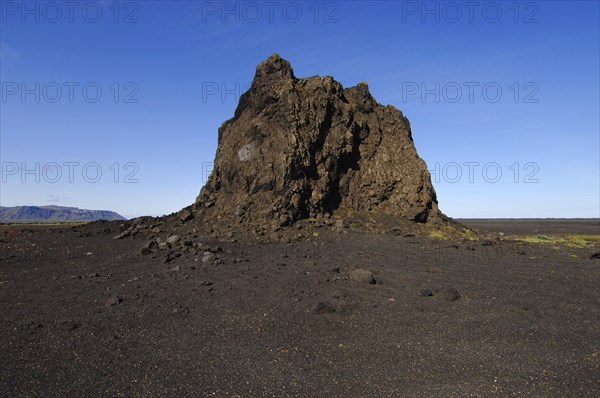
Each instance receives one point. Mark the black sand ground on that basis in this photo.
(88, 316)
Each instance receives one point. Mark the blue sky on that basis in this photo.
(503, 97)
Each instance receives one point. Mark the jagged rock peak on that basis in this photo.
(306, 147)
(274, 67)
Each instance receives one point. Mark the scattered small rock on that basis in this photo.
(185, 215)
(451, 294)
(323, 307)
(340, 223)
(173, 239)
(115, 300)
(170, 257)
(426, 293)
(151, 244)
(215, 249)
(362, 276)
(122, 235)
(208, 258)
(33, 325)
(69, 325)
(595, 256)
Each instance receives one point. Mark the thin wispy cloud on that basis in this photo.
(54, 198)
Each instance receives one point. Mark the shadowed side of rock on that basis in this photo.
(300, 148)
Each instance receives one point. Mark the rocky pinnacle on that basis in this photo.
(304, 147)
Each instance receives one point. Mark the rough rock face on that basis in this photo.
(304, 147)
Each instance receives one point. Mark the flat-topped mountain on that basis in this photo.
(54, 214)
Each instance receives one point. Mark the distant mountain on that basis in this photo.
(54, 214)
